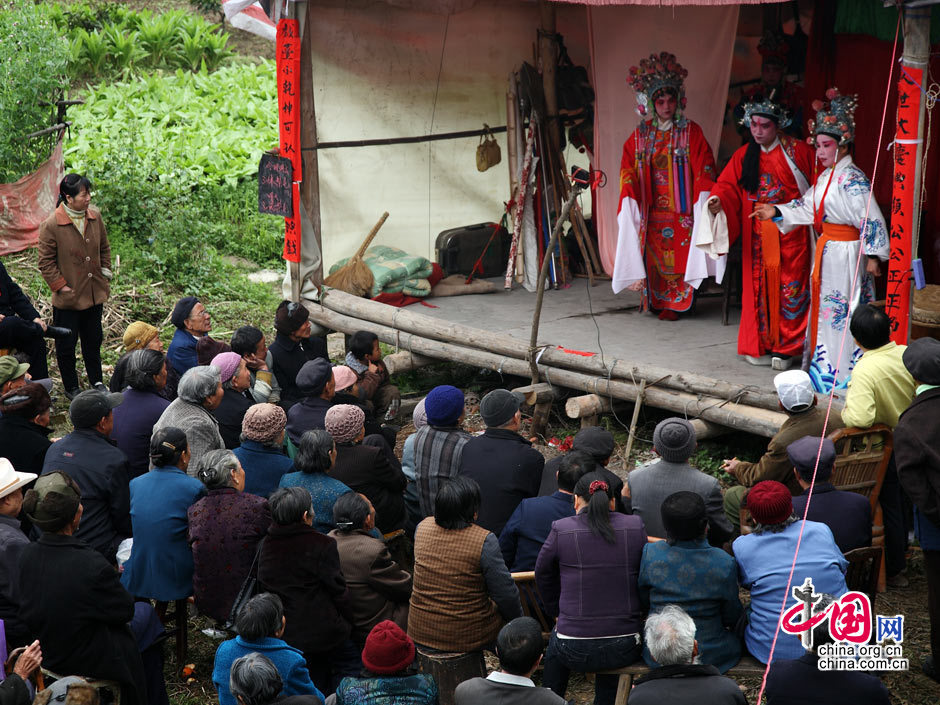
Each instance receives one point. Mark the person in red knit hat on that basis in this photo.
(764, 558)
(389, 676)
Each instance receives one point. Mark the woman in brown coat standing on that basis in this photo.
(75, 261)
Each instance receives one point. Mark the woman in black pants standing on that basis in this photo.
(75, 261)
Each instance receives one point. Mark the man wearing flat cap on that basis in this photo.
(504, 464)
(847, 514)
(12, 541)
(316, 387)
(917, 453)
(99, 468)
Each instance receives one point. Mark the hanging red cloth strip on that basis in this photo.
(288, 109)
(904, 203)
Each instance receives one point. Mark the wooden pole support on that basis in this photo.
(404, 361)
(640, 395)
(536, 393)
(540, 418)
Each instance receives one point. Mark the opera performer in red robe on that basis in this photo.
(772, 168)
(666, 173)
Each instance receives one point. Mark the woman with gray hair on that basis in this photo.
(145, 374)
(224, 530)
(315, 457)
(301, 566)
(199, 393)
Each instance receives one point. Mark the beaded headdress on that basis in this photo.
(774, 48)
(837, 119)
(766, 107)
(658, 72)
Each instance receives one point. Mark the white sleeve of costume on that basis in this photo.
(628, 263)
(701, 263)
(797, 212)
(710, 232)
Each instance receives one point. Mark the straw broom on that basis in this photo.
(355, 277)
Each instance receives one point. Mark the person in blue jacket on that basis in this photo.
(192, 322)
(161, 562)
(260, 625)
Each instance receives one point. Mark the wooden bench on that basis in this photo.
(747, 666)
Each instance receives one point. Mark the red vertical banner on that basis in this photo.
(904, 203)
(292, 230)
(287, 51)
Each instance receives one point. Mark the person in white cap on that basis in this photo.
(804, 418)
(12, 540)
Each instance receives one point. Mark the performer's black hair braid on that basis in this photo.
(750, 168)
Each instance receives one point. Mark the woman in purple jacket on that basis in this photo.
(587, 575)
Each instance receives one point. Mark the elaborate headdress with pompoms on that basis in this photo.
(837, 119)
(658, 72)
(766, 107)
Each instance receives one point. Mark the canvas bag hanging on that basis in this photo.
(488, 153)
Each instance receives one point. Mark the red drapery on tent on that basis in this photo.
(860, 64)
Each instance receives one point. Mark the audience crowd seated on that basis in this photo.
(261, 452)
(764, 558)
(314, 463)
(797, 399)
(198, 395)
(847, 514)
(236, 398)
(271, 463)
(145, 372)
(259, 627)
(587, 576)
(25, 415)
(504, 464)
(686, 572)
(679, 678)
(225, 527)
(674, 441)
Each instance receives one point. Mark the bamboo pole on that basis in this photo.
(505, 345)
(737, 416)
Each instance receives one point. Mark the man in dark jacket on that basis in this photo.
(599, 444)
(847, 514)
(670, 636)
(72, 598)
(523, 535)
(917, 452)
(504, 464)
(99, 468)
(24, 426)
(292, 347)
(316, 387)
(21, 328)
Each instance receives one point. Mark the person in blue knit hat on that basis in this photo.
(439, 445)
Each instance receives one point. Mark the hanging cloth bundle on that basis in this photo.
(488, 153)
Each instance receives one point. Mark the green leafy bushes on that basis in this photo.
(109, 38)
(212, 127)
(32, 71)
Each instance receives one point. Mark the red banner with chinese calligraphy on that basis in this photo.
(292, 230)
(288, 107)
(904, 203)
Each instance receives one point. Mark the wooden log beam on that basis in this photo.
(734, 415)
(505, 345)
(536, 393)
(405, 361)
(590, 405)
(707, 429)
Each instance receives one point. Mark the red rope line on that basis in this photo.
(861, 250)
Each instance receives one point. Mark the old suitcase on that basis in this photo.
(457, 249)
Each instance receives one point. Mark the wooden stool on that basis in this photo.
(450, 669)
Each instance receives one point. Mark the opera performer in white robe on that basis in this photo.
(841, 208)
